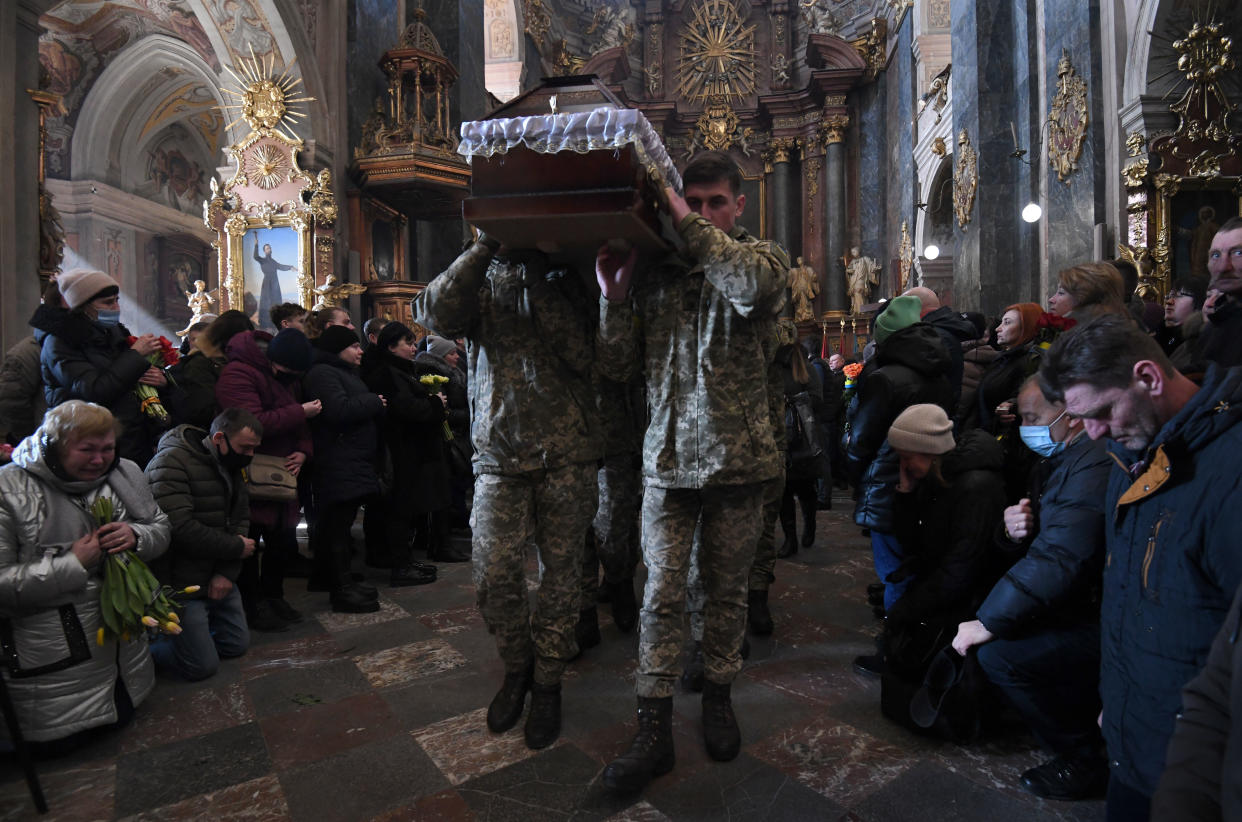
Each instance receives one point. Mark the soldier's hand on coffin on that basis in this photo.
(677, 207)
(614, 268)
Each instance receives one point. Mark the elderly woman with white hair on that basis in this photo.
(63, 680)
(89, 356)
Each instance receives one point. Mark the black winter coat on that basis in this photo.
(945, 534)
(954, 329)
(1001, 381)
(207, 506)
(196, 375)
(1056, 582)
(908, 369)
(86, 360)
(413, 432)
(1172, 568)
(345, 432)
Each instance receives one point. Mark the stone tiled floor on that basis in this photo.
(380, 716)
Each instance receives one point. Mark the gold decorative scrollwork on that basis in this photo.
(965, 179)
(717, 53)
(1135, 173)
(1168, 184)
(938, 147)
(718, 128)
(655, 58)
(1135, 143)
(813, 166)
(905, 256)
(832, 129)
(322, 201)
(1069, 120)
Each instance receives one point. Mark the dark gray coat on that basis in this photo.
(346, 432)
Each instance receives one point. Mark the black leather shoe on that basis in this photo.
(758, 615)
(1069, 779)
(266, 619)
(808, 535)
(318, 585)
(510, 700)
(651, 753)
(870, 665)
(284, 610)
(720, 732)
(410, 575)
(788, 548)
(353, 600)
(543, 723)
(624, 605)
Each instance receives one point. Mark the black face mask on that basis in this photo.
(233, 461)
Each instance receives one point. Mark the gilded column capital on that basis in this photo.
(832, 129)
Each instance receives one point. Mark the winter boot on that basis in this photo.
(510, 700)
(543, 723)
(586, 632)
(757, 613)
(692, 673)
(624, 606)
(720, 732)
(651, 753)
(808, 525)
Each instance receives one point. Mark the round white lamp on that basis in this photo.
(931, 252)
(1031, 212)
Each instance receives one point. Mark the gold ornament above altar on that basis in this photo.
(716, 54)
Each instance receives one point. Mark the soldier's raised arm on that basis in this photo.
(449, 305)
(749, 275)
(616, 343)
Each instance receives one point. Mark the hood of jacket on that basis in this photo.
(1213, 410)
(918, 347)
(946, 319)
(976, 450)
(48, 319)
(244, 348)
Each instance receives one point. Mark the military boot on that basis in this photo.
(757, 613)
(586, 632)
(543, 723)
(720, 731)
(507, 705)
(624, 605)
(651, 753)
(692, 673)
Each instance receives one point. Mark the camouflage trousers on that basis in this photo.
(612, 540)
(729, 519)
(552, 509)
(761, 569)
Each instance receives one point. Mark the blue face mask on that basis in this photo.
(106, 317)
(1039, 439)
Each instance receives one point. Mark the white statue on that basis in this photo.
(332, 293)
(818, 19)
(863, 272)
(803, 287)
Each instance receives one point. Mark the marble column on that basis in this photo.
(778, 165)
(833, 294)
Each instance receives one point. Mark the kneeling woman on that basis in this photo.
(62, 681)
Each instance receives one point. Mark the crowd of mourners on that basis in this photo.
(1050, 495)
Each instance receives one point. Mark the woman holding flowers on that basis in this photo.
(66, 674)
(413, 432)
(91, 356)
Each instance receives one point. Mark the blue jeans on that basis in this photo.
(886, 552)
(211, 629)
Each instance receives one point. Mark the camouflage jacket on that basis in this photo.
(707, 320)
(530, 346)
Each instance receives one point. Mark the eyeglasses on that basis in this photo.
(1173, 295)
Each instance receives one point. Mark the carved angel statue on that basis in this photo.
(780, 71)
(333, 293)
(199, 300)
(818, 19)
(862, 272)
(803, 287)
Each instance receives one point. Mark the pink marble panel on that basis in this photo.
(259, 800)
(406, 663)
(462, 747)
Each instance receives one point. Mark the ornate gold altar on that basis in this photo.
(1182, 184)
(270, 203)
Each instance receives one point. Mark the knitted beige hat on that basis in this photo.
(81, 285)
(922, 429)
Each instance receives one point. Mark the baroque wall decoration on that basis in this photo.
(718, 128)
(965, 179)
(1069, 120)
(716, 53)
(653, 59)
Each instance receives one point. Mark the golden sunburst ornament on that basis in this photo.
(717, 56)
(265, 100)
(267, 166)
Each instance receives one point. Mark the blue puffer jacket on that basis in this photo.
(1173, 564)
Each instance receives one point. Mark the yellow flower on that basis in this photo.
(172, 628)
(99, 637)
(172, 615)
(191, 589)
(150, 621)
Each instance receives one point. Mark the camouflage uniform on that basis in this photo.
(529, 348)
(709, 445)
(613, 539)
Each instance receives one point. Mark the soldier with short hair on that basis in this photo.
(705, 314)
(530, 345)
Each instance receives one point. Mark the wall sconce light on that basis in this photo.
(1031, 212)
(931, 252)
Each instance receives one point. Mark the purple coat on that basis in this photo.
(247, 382)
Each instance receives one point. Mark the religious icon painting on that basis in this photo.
(271, 266)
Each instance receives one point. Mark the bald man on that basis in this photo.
(953, 328)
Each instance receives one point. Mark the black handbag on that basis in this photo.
(803, 442)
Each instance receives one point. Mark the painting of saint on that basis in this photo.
(271, 275)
